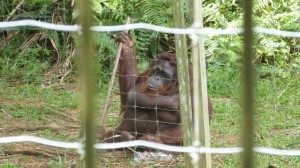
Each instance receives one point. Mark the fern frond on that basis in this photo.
(105, 42)
(157, 12)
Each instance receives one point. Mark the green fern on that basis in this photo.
(105, 43)
(157, 12)
(266, 71)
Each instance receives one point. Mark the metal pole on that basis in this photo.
(247, 89)
(86, 65)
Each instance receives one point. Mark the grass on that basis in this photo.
(32, 106)
(277, 118)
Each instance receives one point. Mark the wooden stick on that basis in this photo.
(51, 154)
(54, 128)
(112, 79)
(14, 11)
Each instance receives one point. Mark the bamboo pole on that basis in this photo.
(247, 89)
(201, 118)
(112, 79)
(88, 98)
(183, 77)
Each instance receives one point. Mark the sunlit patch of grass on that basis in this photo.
(276, 120)
(277, 116)
(35, 102)
(25, 112)
(59, 163)
(10, 165)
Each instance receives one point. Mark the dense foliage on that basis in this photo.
(26, 54)
(29, 53)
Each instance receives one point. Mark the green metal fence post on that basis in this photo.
(86, 65)
(247, 89)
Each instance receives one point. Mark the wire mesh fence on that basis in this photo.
(277, 117)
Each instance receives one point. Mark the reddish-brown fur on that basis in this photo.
(147, 115)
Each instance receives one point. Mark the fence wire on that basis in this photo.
(153, 145)
(189, 31)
